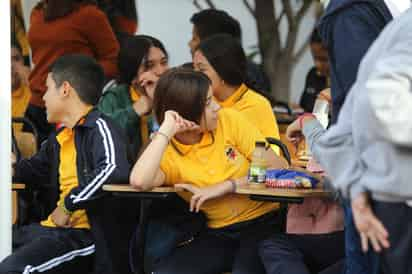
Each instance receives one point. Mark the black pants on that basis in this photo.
(50, 250)
(301, 254)
(233, 248)
(397, 219)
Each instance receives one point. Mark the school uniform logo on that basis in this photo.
(233, 156)
(231, 153)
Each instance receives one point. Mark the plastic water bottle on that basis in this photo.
(321, 111)
(257, 169)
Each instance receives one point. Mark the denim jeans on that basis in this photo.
(357, 262)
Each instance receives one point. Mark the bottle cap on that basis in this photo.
(260, 144)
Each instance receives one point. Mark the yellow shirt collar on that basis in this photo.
(207, 140)
(235, 97)
(134, 94)
(18, 92)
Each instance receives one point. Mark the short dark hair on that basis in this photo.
(133, 50)
(225, 54)
(211, 21)
(315, 37)
(83, 73)
(182, 90)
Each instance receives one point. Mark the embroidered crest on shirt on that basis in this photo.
(231, 153)
(233, 156)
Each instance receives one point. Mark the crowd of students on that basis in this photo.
(111, 110)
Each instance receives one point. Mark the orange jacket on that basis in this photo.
(84, 31)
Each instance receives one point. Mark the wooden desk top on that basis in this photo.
(129, 188)
(284, 192)
(297, 193)
(18, 186)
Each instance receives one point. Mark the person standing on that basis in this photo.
(59, 27)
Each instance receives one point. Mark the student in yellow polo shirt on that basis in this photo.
(206, 151)
(222, 59)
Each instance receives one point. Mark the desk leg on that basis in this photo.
(141, 237)
(15, 207)
(283, 214)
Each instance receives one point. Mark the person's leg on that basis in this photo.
(247, 259)
(397, 219)
(281, 256)
(51, 250)
(207, 254)
(112, 221)
(357, 262)
(320, 250)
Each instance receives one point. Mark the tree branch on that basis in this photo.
(299, 16)
(279, 19)
(287, 8)
(210, 4)
(302, 50)
(302, 11)
(249, 8)
(268, 33)
(197, 5)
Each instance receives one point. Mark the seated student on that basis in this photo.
(20, 92)
(209, 22)
(317, 78)
(313, 243)
(82, 156)
(222, 59)
(142, 59)
(190, 151)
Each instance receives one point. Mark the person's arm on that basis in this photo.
(389, 92)
(146, 172)
(244, 134)
(332, 148)
(97, 30)
(202, 194)
(108, 160)
(125, 117)
(34, 171)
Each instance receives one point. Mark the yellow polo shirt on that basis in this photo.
(221, 155)
(20, 100)
(256, 109)
(68, 177)
(144, 129)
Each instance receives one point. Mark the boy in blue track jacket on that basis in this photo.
(76, 161)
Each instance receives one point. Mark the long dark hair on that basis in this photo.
(114, 8)
(182, 90)
(226, 56)
(133, 51)
(58, 8)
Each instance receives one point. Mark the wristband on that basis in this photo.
(234, 186)
(300, 118)
(162, 134)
